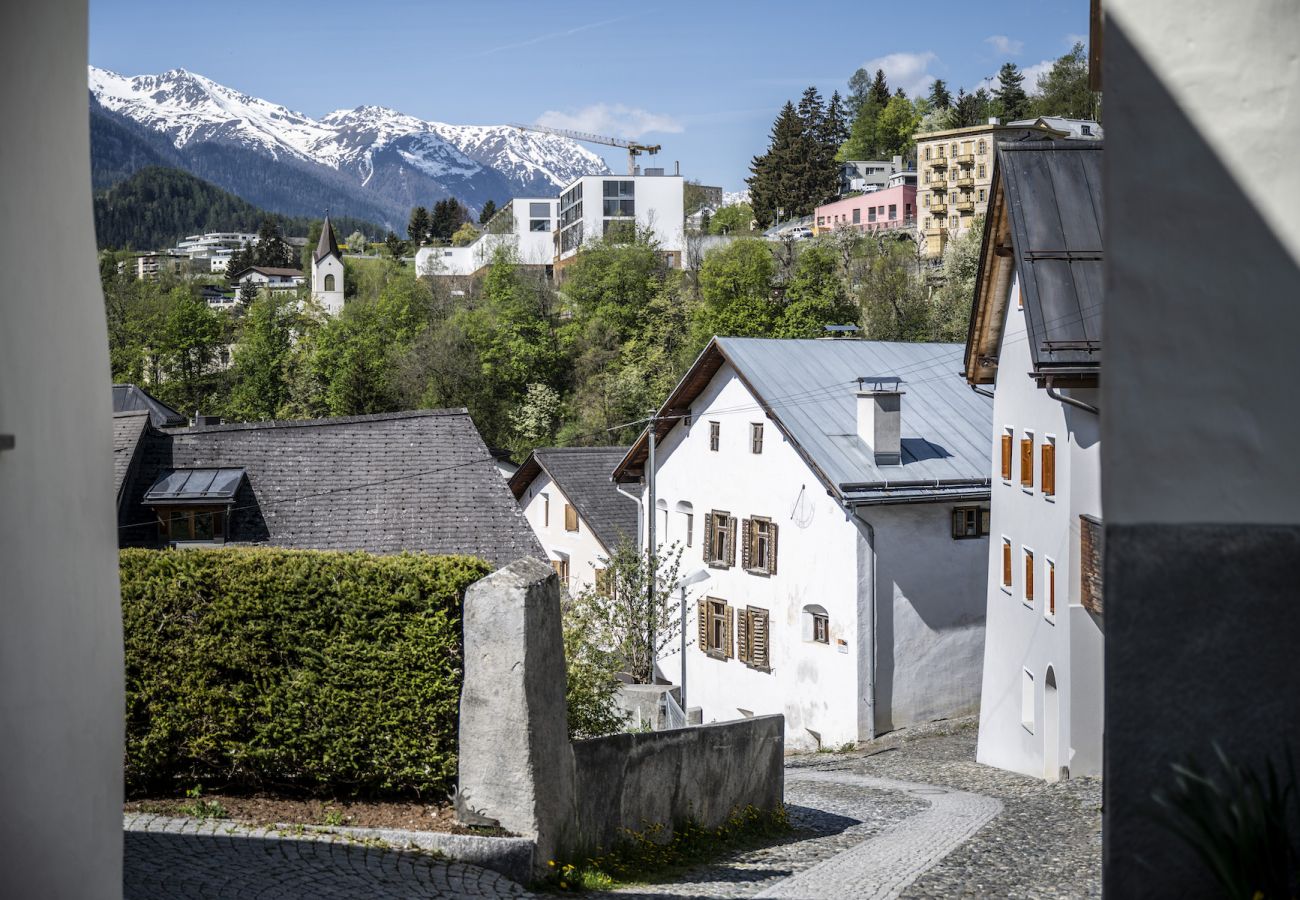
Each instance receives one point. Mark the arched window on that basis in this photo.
(329, 282)
(816, 624)
(686, 513)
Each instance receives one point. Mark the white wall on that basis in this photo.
(660, 207)
(331, 300)
(1020, 637)
(61, 694)
(531, 248)
(583, 550)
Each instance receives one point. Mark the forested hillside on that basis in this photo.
(157, 206)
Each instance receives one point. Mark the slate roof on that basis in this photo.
(583, 474)
(128, 429)
(808, 388)
(133, 398)
(1045, 221)
(418, 481)
(328, 245)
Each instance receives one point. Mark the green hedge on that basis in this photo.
(303, 671)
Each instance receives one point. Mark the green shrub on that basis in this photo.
(303, 671)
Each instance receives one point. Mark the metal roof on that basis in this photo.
(809, 388)
(133, 398)
(195, 486)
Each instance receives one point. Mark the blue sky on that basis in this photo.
(705, 79)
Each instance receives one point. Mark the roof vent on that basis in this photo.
(880, 405)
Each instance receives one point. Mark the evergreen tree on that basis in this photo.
(448, 215)
(863, 142)
(396, 247)
(820, 173)
(778, 186)
(879, 93)
(1063, 90)
(489, 210)
(812, 111)
(247, 293)
(1010, 97)
(939, 96)
(971, 109)
(240, 260)
(417, 228)
(271, 249)
(835, 130)
(859, 87)
(261, 385)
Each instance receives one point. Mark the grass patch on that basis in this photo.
(653, 855)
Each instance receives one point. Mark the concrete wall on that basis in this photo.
(1200, 481)
(1023, 637)
(660, 207)
(61, 695)
(581, 548)
(627, 781)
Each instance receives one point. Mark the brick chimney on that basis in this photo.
(880, 405)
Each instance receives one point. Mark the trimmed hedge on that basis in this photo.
(301, 671)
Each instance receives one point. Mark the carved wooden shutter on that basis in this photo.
(746, 539)
(707, 543)
(1027, 462)
(731, 540)
(758, 649)
(1049, 468)
(771, 548)
(702, 607)
(742, 636)
(1006, 457)
(729, 621)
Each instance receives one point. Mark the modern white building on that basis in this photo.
(576, 511)
(1081, 129)
(271, 278)
(862, 175)
(524, 226)
(595, 206)
(1035, 339)
(837, 492)
(216, 247)
(327, 271)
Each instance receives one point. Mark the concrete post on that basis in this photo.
(516, 762)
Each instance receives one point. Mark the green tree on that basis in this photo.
(820, 172)
(535, 419)
(939, 96)
(489, 210)
(396, 248)
(952, 299)
(879, 93)
(417, 227)
(815, 295)
(240, 260)
(1063, 89)
(891, 293)
(186, 345)
(448, 215)
(465, 235)
(736, 291)
(778, 185)
(1009, 97)
(735, 218)
(895, 128)
(356, 243)
(260, 375)
(271, 248)
(835, 128)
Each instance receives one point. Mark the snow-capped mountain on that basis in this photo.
(731, 198)
(370, 158)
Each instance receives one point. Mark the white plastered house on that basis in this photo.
(842, 524)
(1035, 341)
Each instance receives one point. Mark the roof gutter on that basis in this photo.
(857, 487)
(1071, 401)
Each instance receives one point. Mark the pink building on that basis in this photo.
(883, 210)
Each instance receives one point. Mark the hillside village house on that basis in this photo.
(273, 278)
(418, 481)
(578, 514)
(837, 491)
(892, 207)
(524, 227)
(1035, 340)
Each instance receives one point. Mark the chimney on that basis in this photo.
(880, 418)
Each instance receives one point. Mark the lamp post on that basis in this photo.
(693, 577)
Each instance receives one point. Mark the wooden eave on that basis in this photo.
(988, 313)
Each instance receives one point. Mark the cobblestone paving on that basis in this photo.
(180, 859)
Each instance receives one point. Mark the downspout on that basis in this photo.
(640, 523)
(979, 390)
(871, 624)
(1057, 395)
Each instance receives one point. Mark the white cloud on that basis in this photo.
(905, 70)
(1072, 39)
(613, 119)
(1005, 46)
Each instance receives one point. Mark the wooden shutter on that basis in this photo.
(1029, 577)
(707, 543)
(758, 648)
(1006, 457)
(1049, 468)
(746, 543)
(731, 540)
(1051, 588)
(729, 623)
(702, 607)
(742, 636)
(771, 546)
(1027, 462)
(1006, 563)
(570, 518)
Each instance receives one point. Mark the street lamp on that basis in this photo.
(693, 577)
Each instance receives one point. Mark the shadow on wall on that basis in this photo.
(1201, 621)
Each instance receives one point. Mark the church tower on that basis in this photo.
(327, 271)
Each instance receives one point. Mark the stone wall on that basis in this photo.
(627, 781)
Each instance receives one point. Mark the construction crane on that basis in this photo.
(632, 147)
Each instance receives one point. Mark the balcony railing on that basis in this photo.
(940, 208)
(966, 181)
(965, 206)
(966, 159)
(939, 163)
(939, 185)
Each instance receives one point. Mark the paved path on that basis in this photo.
(180, 859)
(883, 866)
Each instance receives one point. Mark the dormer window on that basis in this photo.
(194, 505)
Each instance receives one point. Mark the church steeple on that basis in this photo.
(328, 245)
(327, 270)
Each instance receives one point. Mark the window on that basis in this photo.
(927, 200)
(1027, 700)
(969, 522)
(871, 214)
(1028, 595)
(1006, 564)
(539, 210)
(541, 225)
(1049, 588)
(329, 282)
(752, 638)
(1027, 460)
(546, 510)
(720, 542)
(1006, 455)
(715, 627)
(715, 433)
(201, 524)
(561, 567)
(857, 216)
(893, 210)
(953, 221)
(758, 550)
(755, 437)
(1049, 467)
(981, 170)
(570, 518)
(821, 625)
(982, 147)
(927, 152)
(690, 528)
(1085, 129)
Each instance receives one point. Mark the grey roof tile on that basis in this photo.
(583, 474)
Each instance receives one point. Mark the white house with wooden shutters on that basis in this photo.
(1035, 341)
(577, 513)
(837, 492)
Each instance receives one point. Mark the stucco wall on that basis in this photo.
(628, 781)
(584, 552)
(1022, 637)
(61, 694)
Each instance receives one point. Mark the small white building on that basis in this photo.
(271, 278)
(1081, 129)
(594, 206)
(524, 226)
(576, 511)
(327, 271)
(837, 492)
(1035, 339)
(863, 175)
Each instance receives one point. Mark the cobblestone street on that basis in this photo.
(911, 816)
